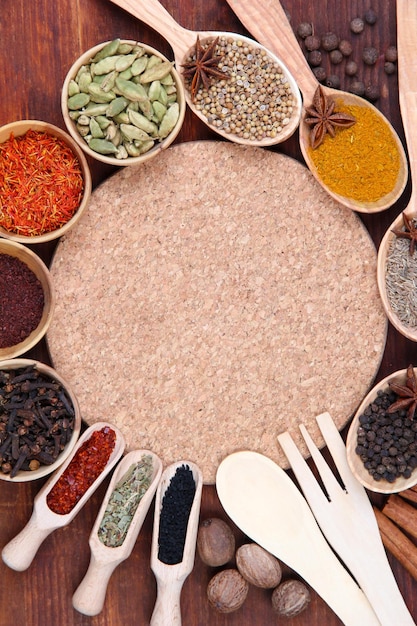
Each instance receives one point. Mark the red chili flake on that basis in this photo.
(21, 301)
(87, 465)
(41, 183)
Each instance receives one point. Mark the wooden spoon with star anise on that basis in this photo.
(198, 60)
(405, 224)
(266, 20)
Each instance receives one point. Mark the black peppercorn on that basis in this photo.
(333, 81)
(351, 68)
(304, 30)
(320, 73)
(314, 58)
(370, 56)
(336, 57)
(312, 42)
(372, 93)
(329, 42)
(370, 17)
(390, 68)
(345, 47)
(357, 88)
(357, 25)
(391, 54)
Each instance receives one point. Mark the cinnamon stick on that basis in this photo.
(402, 513)
(397, 543)
(409, 494)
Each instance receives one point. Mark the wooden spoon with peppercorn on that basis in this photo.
(209, 81)
(326, 114)
(402, 312)
(65, 493)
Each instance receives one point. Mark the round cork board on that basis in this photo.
(211, 299)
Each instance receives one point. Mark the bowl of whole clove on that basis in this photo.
(27, 299)
(40, 420)
(381, 443)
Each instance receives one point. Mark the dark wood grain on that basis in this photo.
(38, 43)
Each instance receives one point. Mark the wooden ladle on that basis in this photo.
(90, 595)
(170, 578)
(19, 553)
(407, 81)
(183, 41)
(267, 21)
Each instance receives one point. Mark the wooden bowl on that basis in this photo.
(20, 128)
(408, 331)
(38, 267)
(45, 370)
(355, 462)
(85, 59)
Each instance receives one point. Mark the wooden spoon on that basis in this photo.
(18, 554)
(266, 20)
(170, 578)
(266, 505)
(183, 41)
(407, 81)
(90, 594)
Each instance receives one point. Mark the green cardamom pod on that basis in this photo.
(121, 152)
(139, 65)
(95, 129)
(131, 132)
(108, 81)
(154, 90)
(124, 48)
(116, 106)
(84, 80)
(156, 72)
(124, 62)
(102, 146)
(130, 90)
(169, 120)
(109, 49)
(93, 108)
(106, 65)
(78, 101)
(142, 122)
(73, 88)
(98, 95)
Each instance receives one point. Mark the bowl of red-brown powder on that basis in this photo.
(45, 182)
(27, 299)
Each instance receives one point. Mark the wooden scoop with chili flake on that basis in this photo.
(66, 492)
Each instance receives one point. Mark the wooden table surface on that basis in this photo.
(38, 43)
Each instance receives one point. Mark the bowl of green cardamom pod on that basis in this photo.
(123, 102)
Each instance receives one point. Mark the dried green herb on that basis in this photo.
(124, 501)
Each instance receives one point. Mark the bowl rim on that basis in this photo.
(41, 271)
(109, 160)
(19, 128)
(45, 470)
(355, 463)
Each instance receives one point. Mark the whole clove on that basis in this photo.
(36, 420)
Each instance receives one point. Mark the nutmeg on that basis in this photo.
(215, 542)
(227, 591)
(290, 598)
(258, 566)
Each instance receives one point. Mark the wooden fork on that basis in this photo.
(347, 520)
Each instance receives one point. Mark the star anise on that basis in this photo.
(323, 119)
(204, 67)
(410, 232)
(407, 394)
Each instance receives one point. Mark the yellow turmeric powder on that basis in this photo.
(362, 162)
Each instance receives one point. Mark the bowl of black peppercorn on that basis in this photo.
(381, 443)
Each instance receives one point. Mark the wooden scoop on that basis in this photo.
(183, 41)
(90, 594)
(266, 20)
(170, 578)
(407, 81)
(266, 505)
(18, 554)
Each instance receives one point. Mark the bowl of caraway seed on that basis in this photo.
(40, 420)
(381, 444)
(27, 299)
(123, 102)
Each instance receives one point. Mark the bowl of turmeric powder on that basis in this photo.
(123, 102)
(45, 182)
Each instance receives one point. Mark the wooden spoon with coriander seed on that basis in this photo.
(400, 316)
(19, 553)
(110, 548)
(186, 43)
(267, 21)
(174, 538)
(266, 505)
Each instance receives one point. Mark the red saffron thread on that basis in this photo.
(87, 464)
(41, 183)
